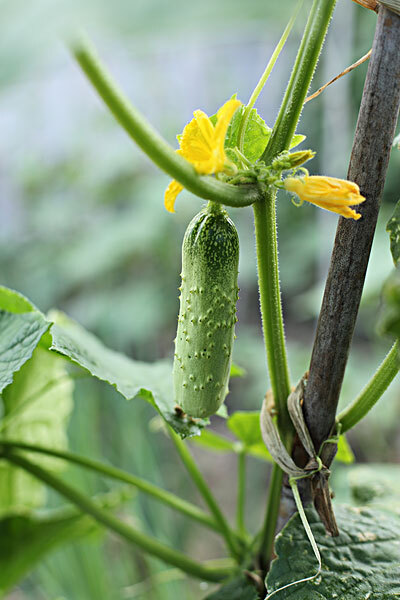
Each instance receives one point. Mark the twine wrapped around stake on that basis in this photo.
(317, 467)
(315, 470)
(393, 5)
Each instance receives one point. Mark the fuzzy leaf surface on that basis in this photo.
(363, 562)
(131, 378)
(36, 407)
(21, 327)
(237, 589)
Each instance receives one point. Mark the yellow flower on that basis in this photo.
(202, 144)
(336, 195)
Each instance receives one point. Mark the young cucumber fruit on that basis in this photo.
(207, 316)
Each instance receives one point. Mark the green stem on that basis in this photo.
(271, 517)
(206, 493)
(272, 319)
(143, 541)
(300, 79)
(271, 307)
(175, 502)
(267, 248)
(374, 389)
(241, 496)
(149, 140)
(265, 75)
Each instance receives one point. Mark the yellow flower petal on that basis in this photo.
(197, 141)
(202, 145)
(224, 116)
(170, 195)
(330, 193)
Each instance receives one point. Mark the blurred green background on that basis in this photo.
(83, 228)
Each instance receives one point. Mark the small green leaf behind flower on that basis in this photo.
(256, 136)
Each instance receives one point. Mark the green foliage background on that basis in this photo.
(83, 228)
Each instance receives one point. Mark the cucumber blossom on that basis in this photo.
(207, 316)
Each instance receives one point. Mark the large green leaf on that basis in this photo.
(22, 331)
(363, 562)
(26, 539)
(393, 227)
(237, 589)
(21, 327)
(151, 381)
(374, 484)
(36, 407)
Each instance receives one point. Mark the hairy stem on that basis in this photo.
(300, 79)
(147, 138)
(188, 509)
(271, 517)
(143, 541)
(271, 307)
(371, 393)
(265, 75)
(267, 248)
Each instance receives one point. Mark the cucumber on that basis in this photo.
(207, 316)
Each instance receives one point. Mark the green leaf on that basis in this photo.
(26, 539)
(376, 485)
(246, 427)
(363, 562)
(389, 322)
(132, 379)
(36, 407)
(222, 411)
(344, 452)
(237, 589)
(21, 326)
(256, 136)
(296, 140)
(393, 227)
(214, 441)
(237, 371)
(14, 302)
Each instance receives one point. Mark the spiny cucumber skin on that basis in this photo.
(207, 316)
